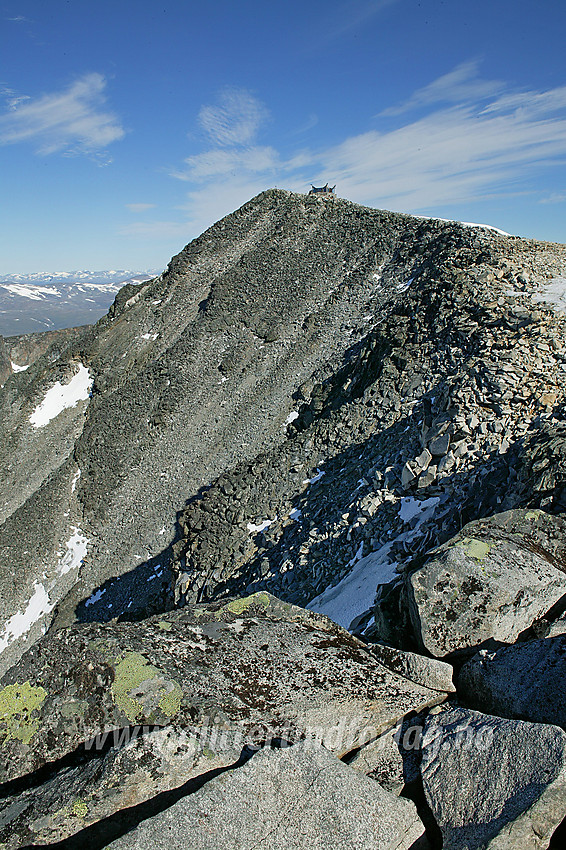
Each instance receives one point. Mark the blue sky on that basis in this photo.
(126, 127)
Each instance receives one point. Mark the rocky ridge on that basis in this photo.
(316, 404)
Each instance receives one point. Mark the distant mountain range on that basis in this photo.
(52, 300)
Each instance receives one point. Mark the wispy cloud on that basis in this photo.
(216, 163)
(139, 208)
(459, 154)
(457, 140)
(235, 119)
(459, 86)
(71, 121)
(351, 16)
(554, 198)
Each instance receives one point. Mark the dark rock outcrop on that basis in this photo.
(5, 365)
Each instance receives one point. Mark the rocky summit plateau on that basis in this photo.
(283, 545)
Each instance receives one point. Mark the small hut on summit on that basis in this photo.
(322, 190)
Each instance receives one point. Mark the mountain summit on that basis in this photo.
(297, 340)
(317, 405)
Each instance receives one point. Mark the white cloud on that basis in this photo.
(138, 208)
(554, 198)
(72, 120)
(476, 140)
(452, 155)
(229, 161)
(235, 120)
(459, 86)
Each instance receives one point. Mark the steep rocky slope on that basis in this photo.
(411, 357)
(316, 404)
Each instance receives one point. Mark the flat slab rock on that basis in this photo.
(257, 666)
(493, 783)
(490, 582)
(141, 765)
(525, 681)
(298, 797)
(428, 672)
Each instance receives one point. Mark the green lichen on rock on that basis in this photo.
(164, 626)
(478, 549)
(238, 606)
(79, 808)
(170, 703)
(19, 708)
(139, 689)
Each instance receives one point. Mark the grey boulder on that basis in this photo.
(489, 583)
(524, 681)
(285, 799)
(258, 666)
(428, 672)
(493, 783)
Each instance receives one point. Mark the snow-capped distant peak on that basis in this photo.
(79, 276)
(36, 293)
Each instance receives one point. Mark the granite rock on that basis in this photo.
(524, 681)
(489, 583)
(493, 783)
(281, 800)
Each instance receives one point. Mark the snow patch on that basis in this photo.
(16, 368)
(254, 529)
(316, 477)
(486, 227)
(76, 552)
(356, 592)
(465, 223)
(75, 480)
(292, 416)
(357, 556)
(295, 514)
(20, 624)
(553, 293)
(151, 337)
(411, 508)
(61, 396)
(38, 293)
(96, 597)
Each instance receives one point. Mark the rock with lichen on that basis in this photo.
(489, 583)
(215, 678)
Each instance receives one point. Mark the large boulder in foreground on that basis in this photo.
(489, 583)
(493, 783)
(525, 681)
(142, 765)
(257, 666)
(286, 799)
